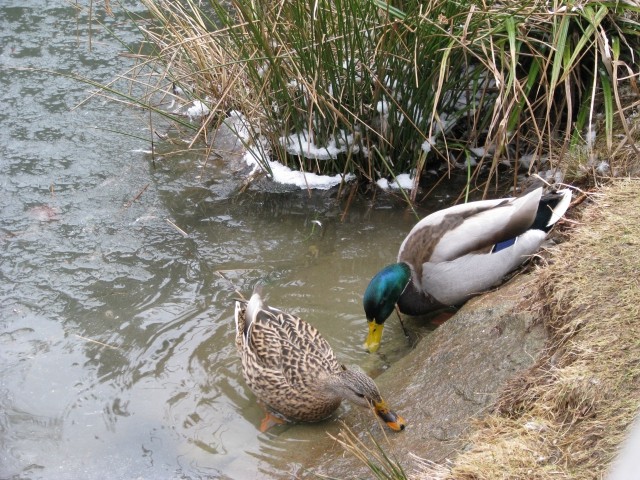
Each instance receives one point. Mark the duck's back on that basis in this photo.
(467, 228)
(284, 359)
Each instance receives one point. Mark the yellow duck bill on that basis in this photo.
(372, 343)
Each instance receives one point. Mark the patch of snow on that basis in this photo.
(303, 145)
(198, 110)
(257, 155)
(404, 181)
(383, 183)
(525, 161)
(390, 83)
(238, 123)
(478, 152)
(426, 145)
(177, 90)
(468, 162)
(382, 107)
(444, 123)
(284, 175)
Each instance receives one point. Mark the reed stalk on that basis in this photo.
(378, 89)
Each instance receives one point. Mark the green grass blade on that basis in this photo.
(561, 44)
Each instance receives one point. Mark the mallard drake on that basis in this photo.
(456, 253)
(292, 369)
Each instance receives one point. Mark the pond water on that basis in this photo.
(116, 332)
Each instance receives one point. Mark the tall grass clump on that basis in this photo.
(379, 89)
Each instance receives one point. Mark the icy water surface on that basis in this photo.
(116, 332)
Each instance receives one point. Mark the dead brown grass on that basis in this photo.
(567, 416)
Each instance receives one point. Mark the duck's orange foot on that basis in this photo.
(270, 420)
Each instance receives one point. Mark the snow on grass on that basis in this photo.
(257, 156)
(403, 181)
(303, 180)
(197, 111)
(303, 145)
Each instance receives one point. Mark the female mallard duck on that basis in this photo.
(458, 252)
(293, 370)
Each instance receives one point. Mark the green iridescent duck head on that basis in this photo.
(380, 299)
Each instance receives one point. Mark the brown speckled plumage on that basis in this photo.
(292, 368)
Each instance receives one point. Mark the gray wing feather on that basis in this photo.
(487, 227)
(453, 282)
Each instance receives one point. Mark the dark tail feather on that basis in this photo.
(551, 208)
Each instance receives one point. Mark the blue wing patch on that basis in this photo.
(504, 244)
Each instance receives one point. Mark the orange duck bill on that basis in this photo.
(393, 420)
